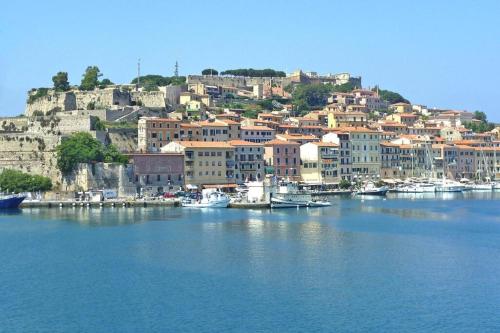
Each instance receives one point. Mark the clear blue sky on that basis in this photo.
(438, 53)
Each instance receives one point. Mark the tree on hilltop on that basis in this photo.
(90, 78)
(61, 82)
(209, 71)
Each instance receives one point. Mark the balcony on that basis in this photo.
(230, 164)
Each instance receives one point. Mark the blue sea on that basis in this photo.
(401, 264)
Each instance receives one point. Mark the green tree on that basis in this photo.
(17, 181)
(61, 82)
(251, 114)
(81, 147)
(159, 80)
(344, 184)
(104, 83)
(391, 96)
(479, 115)
(209, 71)
(310, 96)
(112, 155)
(90, 78)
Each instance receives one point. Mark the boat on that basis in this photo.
(446, 185)
(11, 201)
(482, 187)
(371, 189)
(289, 202)
(416, 188)
(210, 198)
(319, 203)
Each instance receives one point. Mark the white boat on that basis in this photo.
(416, 188)
(446, 185)
(289, 202)
(496, 186)
(210, 198)
(371, 189)
(319, 203)
(482, 187)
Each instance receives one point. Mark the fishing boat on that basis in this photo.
(319, 203)
(371, 189)
(288, 202)
(11, 201)
(210, 198)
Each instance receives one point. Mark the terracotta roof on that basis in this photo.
(216, 123)
(244, 143)
(325, 144)
(204, 144)
(256, 128)
(190, 125)
(356, 129)
(160, 119)
(297, 136)
(281, 142)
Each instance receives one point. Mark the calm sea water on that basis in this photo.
(397, 265)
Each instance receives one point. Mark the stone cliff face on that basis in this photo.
(94, 100)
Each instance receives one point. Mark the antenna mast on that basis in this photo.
(176, 69)
(138, 74)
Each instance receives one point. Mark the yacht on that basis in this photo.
(447, 185)
(210, 198)
(371, 189)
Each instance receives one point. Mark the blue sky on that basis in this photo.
(438, 53)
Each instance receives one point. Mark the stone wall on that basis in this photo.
(101, 176)
(125, 139)
(10, 124)
(63, 101)
(101, 98)
(149, 99)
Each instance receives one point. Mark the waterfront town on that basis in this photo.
(160, 135)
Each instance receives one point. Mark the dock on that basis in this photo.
(98, 204)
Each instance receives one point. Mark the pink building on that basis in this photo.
(158, 172)
(282, 159)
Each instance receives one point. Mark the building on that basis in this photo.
(205, 163)
(365, 152)
(299, 138)
(347, 119)
(319, 163)
(401, 108)
(157, 172)
(249, 161)
(282, 159)
(258, 134)
(153, 133)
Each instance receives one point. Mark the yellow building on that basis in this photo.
(342, 119)
(319, 163)
(401, 108)
(205, 163)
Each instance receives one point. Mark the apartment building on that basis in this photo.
(319, 163)
(283, 158)
(249, 161)
(258, 134)
(153, 133)
(365, 151)
(205, 163)
(157, 172)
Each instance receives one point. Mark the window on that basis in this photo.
(158, 178)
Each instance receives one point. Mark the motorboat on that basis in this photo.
(482, 187)
(371, 189)
(289, 202)
(210, 198)
(447, 185)
(319, 203)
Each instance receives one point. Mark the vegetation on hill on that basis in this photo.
(17, 181)
(61, 82)
(254, 72)
(39, 93)
(81, 147)
(310, 96)
(391, 96)
(152, 82)
(481, 124)
(209, 71)
(90, 79)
